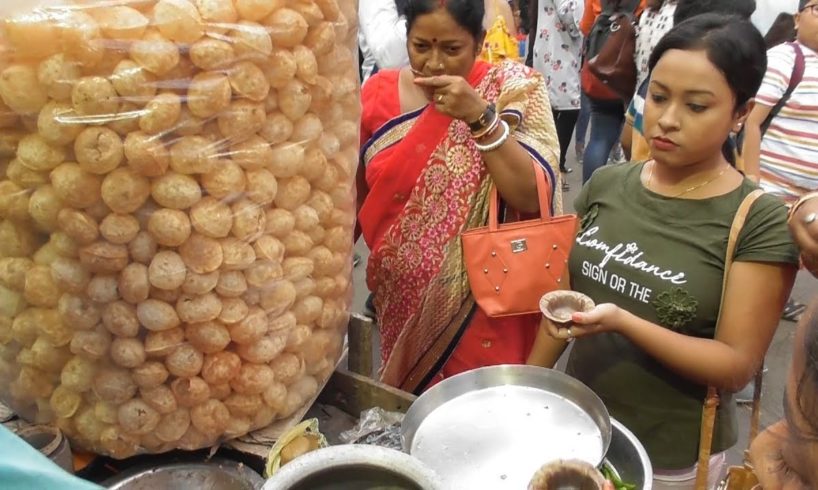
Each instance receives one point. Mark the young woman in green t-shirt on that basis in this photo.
(651, 254)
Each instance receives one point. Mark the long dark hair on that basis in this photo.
(732, 44)
(691, 8)
(402, 6)
(467, 13)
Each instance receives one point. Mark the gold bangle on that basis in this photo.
(803, 199)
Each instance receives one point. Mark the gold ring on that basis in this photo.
(810, 218)
(440, 99)
(570, 333)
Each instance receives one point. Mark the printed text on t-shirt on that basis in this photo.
(629, 255)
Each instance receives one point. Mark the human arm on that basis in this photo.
(806, 234)
(755, 295)
(626, 139)
(510, 166)
(751, 148)
(547, 349)
(781, 61)
(385, 32)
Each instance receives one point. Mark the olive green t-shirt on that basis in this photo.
(662, 259)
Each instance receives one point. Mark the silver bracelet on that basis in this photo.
(497, 144)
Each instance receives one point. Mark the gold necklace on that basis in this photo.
(689, 189)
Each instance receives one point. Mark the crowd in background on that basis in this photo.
(710, 115)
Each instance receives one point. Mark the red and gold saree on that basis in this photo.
(427, 184)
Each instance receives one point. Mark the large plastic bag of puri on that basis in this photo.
(177, 213)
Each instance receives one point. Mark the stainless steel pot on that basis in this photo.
(216, 474)
(354, 467)
(628, 457)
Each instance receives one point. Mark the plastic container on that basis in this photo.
(176, 214)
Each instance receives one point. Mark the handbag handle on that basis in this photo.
(543, 194)
(711, 403)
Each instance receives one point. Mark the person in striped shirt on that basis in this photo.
(785, 157)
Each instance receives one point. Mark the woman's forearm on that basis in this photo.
(511, 168)
(704, 361)
(546, 350)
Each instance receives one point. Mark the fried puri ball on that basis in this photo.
(202, 254)
(98, 150)
(209, 337)
(252, 379)
(157, 315)
(190, 392)
(200, 283)
(198, 309)
(176, 191)
(124, 190)
(150, 375)
(75, 186)
(146, 154)
(234, 310)
(114, 385)
(185, 361)
(134, 283)
(211, 217)
(250, 329)
(119, 229)
(221, 367)
(169, 227)
(161, 343)
(211, 417)
(137, 417)
(167, 270)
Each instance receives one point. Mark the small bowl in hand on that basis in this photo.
(567, 474)
(560, 306)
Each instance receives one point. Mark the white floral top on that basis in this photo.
(557, 50)
(653, 25)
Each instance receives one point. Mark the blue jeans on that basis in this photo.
(607, 118)
(582, 122)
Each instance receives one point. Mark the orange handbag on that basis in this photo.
(510, 266)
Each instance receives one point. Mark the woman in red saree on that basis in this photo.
(433, 144)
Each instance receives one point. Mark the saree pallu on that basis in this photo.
(427, 184)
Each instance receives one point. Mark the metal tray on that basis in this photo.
(494, 427)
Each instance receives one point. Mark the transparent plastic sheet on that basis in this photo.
(176, 214)
(376, 427)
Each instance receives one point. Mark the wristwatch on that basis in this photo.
(484, 120)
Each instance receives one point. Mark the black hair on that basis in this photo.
(691, 8)
(782, 30)
(732, 44)
(402, 6)
(467, 13)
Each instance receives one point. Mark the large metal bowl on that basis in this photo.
(494, 427)
(354, 467)
(628, 457)
(216, 474)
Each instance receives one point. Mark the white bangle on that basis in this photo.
(500, 141)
